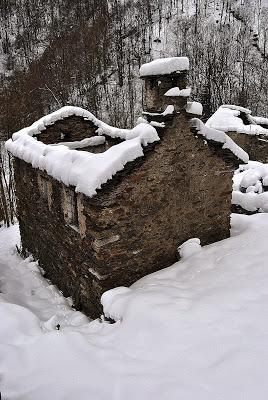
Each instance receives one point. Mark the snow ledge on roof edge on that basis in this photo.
(84, 170)
(220, 137)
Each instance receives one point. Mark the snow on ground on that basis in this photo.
(250, 187)
(196, 330)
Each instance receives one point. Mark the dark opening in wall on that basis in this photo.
(45, 190)
(244, 118)
(70, 208)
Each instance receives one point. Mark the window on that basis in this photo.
(70, 208)
(43, 186)
(45, 190)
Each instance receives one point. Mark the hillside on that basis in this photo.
(58, 53)
(133, 199)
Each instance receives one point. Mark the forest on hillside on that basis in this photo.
(88, 53)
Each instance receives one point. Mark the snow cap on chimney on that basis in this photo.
(162, 78)
(164, 66)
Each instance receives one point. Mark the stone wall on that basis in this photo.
(157, 86)
(3, 136)
(133, 226)
(255, 146)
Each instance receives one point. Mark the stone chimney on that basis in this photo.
(166, 82)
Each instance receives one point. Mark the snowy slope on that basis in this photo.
(196, 330)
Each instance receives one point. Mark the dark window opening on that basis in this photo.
(70, 208)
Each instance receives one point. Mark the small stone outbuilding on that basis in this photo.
(101, 207)
(249, 132)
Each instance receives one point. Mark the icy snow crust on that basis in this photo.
(196, 330)
(226, 119)
(220, 137)
(164, 66)
(83, 170)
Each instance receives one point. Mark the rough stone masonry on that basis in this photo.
(133, 226)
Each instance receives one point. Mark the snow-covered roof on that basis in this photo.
(84, 170)
(87, 171)
(102, 128)
(196, 330)
(228, 119)
(164, 66)
(220, 137)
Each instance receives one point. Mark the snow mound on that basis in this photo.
(250, 187)
(194, 107)
(227, 119)
(189, 248)
(114, 302)
(164, 66)
(250, 178)
(176, 92)
(220, 137)
(251, 201)
(169, 110)
(195, 330)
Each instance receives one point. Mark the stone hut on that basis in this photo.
(101, 207)
(249, 132)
